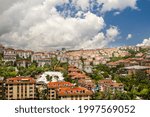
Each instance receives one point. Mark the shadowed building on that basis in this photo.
(1, 88)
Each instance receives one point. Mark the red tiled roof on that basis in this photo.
(73, 70)
(106, 81)
(59, 84)
(19, 80)
(74, 91)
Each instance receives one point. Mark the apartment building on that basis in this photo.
(9, 55)
(41, 58)
(20, 88)
(74, 93)
(1, 88)
(23, 63)
(43, 61)
(136, 68)
(108, 84)
(24, 54)
(52, 86)
(1, 48)
(87, 83)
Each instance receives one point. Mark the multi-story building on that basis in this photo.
(23, 63)
(52, 86)
(43, 61)
(136, 68)
(1, 48)
(87, 83)
(41, 58)
(108, 84)
(20, 88)
(24, 54)
(9, 55)
(1, 88)
(74, 93)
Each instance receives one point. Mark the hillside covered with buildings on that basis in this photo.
(121, 73)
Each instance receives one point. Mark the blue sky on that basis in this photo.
(74, 24)
(129, 21)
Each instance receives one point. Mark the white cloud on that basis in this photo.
(112, 32)
(146, 42)
(101, 39)
(109, 5)
(129, 36)
(83, 4)
(40, 26)
(36, 24)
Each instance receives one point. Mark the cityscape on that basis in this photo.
(121, 73)
(75, 50)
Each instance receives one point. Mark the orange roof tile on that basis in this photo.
(74, 91)
(19, 80)
(59, 84)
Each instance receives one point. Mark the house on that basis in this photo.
(41, 58)
(87, 83)
(88, 69)
(24, 54)
(87, 62)
(147, 56)
(73, 68)
(53, 86)
(43, 61)
(23, 63)
(74, 93)
(96, 62)
(136, 68)
(110, 85)
(104, 83)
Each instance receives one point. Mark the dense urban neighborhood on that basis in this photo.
(121, 73)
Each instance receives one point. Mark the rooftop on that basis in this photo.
(138, 67)
(74, 91)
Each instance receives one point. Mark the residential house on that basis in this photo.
(88, 69)
(110, 85)
(87, 83)
(74, 93)
(24, 54)
(53, 86)
(23, 63)
(41, 58)
(136, 68)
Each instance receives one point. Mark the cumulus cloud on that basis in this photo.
(37, 24)
(41, 26)
(129, 36)
(83, 4)
(146, 42)
(101, 39)
(5, 4)
(109, 5)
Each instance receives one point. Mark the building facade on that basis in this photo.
(1, 88)
(20, 88)
(53, 86)
(74, 93)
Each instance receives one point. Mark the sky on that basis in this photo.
(74, 24)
